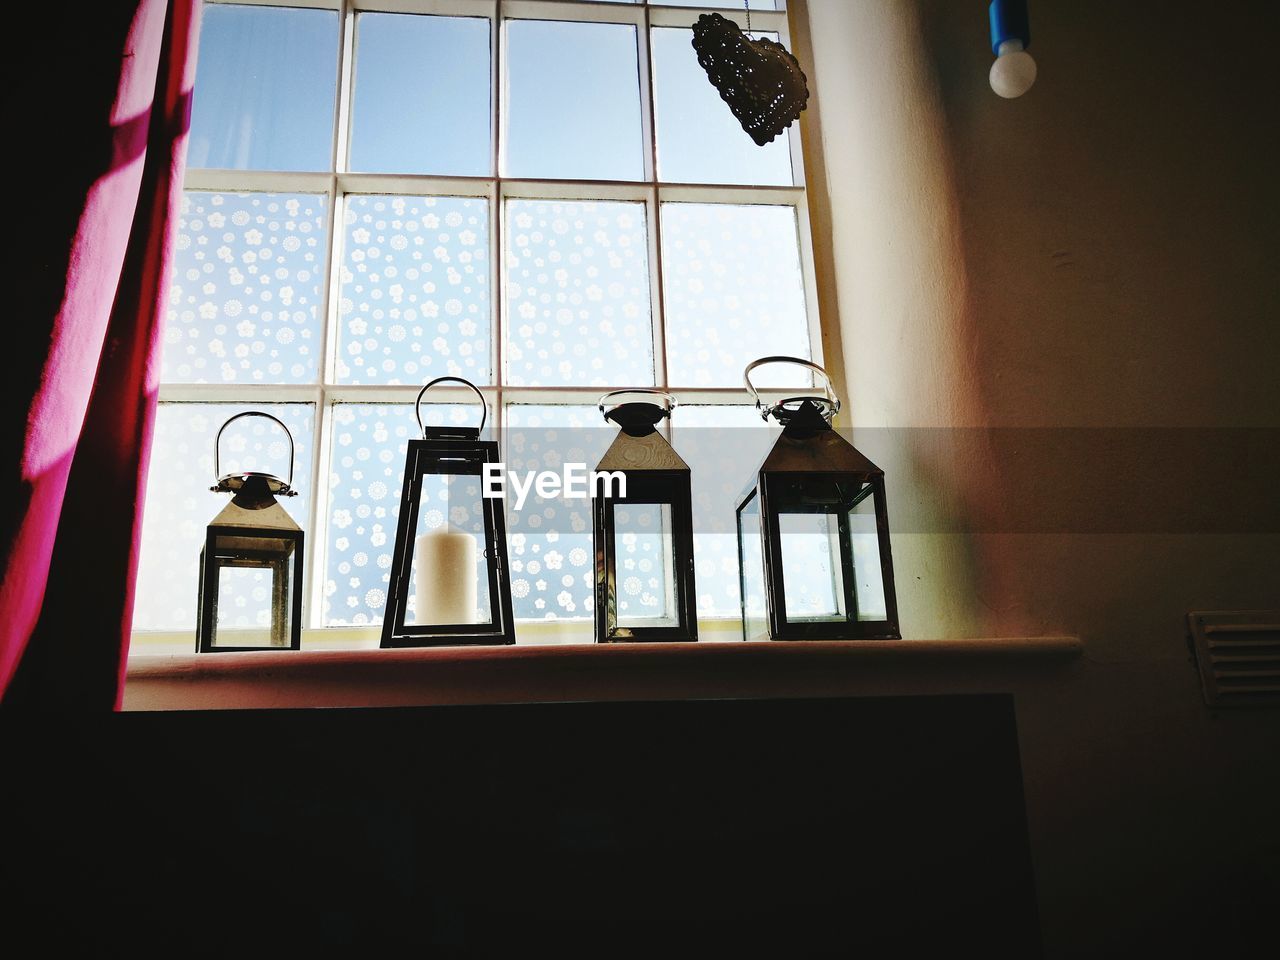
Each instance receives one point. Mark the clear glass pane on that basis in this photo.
(180, 505)
(244, 302)
(733, 292)
(699, 139)
(810, 567)
(366, 470)
(751, 545)
(415, 290)
(577, 294)
(552, 564)
(255, 591)
(812, 579)
(264, 90)
(868, 575)
(449, 579)
(723, 446)
(643, 565)
(421, 95)
(573, 101)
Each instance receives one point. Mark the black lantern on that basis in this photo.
(813, 531)
(449, 575)
(642, 522)
(250, 593)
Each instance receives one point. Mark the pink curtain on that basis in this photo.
(98, 110)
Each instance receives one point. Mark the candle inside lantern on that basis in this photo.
(444, 563)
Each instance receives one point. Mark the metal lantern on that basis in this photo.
(813, 530)
(250, 593)
(450, 580)
(643, 536)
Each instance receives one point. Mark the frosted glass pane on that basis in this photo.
(264, 89)
(552, 565)
(180, 504)
(723, 446)
(733, 292)
(573, 101)
(366, 470)
(577, 294)
(415, 290)
(422, 95)
(699, 138)
(244, 302)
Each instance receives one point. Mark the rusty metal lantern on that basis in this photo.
(813, 530)
(450, 580)
(250, 591)
(643, 537)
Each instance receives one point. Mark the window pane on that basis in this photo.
(577, 294)
(573, 101)
(552, 566)
(723, 4)
(733, 292)
(723, 446)
(244, 305)
(813, 583)
(264, 92)
(644, 563)
(422, 95)
(366, 471)
(415, 290)
(180, 504)
(699, 138)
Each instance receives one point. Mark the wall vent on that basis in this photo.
(1239, 656)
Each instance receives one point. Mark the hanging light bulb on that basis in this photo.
(1014, 71)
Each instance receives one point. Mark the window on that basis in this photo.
(545, 197)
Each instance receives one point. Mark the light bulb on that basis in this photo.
(1014, 71)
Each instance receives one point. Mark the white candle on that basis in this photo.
(444, 563)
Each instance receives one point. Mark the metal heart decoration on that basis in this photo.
(760, 80)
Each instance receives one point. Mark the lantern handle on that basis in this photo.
(217, 445)
(828, 388)
(417, 406)
(647, 391)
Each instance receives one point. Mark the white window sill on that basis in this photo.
(584, 671)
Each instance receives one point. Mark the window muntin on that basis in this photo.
(388, 378)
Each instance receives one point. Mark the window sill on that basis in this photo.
(641, 671)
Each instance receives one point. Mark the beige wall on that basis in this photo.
(1098, 254)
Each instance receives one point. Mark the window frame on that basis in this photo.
(339, 182)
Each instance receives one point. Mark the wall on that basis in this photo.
(1056, 314)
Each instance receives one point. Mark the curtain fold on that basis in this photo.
(101, 105)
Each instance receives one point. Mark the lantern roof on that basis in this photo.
(649, 451)
(254, 507)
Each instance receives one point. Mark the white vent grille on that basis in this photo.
(1239, 656)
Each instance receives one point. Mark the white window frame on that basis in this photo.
(339, 182)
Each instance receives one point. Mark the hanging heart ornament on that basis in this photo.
(760, 80)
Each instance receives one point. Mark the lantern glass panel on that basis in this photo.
(814, 584)
(868, 574)
(444, 565)
(644, 564)
(255, 579)
(751, 545)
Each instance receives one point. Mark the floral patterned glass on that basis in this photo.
(733, 292)
(244, 302)
(723, 445)
(577, 292)
(180, 503)
(552, 567)
(366, 470)
(415, 290)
